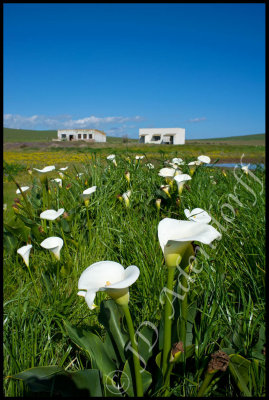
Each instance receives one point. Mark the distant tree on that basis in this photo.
(125, 139)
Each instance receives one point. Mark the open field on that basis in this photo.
(47, 324)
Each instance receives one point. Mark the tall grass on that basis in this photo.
(228, 293)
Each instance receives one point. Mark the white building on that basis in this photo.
(162, 135)
(81, 134)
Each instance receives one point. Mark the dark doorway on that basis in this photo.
(71, 137)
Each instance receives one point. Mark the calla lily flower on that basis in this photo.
(23, 188)
(175, 236)
(245, 169)
(178, 161)
(180, 180)
(59, 181)
(87, 193)
(139, 157)
(54, 244)
(111, 157)
(204, 159)
(166, 189)
(45, 169)
(25, 252)
(51, 215)
(126, 197)
(63, 169)
(167, 172)
(108, 276)
(150, 166)
(198, 215)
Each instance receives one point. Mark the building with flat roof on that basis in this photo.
(162, 135)
(92, 135)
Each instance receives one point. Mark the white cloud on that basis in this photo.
(197, 119)
(17, 121)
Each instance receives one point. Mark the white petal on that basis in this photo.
(187, 212)
(167, 172)
(199, 215)
(178, 161)
(131, 274)
(204, 159)
(24, 251)
(170, 229)
(111, 157)
(51, 215)
(126, 195)
(86, 194)
(52, 242)
(182, 178)
(23, 188)
(99, 274)
(45, 169)
(63, 169)
(90, 296)
(139, 157)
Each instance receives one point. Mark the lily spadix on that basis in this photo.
(204, 159)
(108, 276)
(54, 244)
(175, 236)
(197, 215)
(25, 252)
(23, 189)
(181, 180)
(51, 215)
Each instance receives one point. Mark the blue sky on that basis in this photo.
(121, 67)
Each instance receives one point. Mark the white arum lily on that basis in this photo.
(23, 189)
(51, 215)
(45, 169)
(178, 161)
(25, 252)
(126, 197)
(204, 159)
(245, 169)
(166, 189)
(167, 172)
(108, 276)
(150, 166)
(87, 193)
(63, 169)
(198, 215)
(139, 157)
(59, 181)
(175, 236)
(193, 164)
(54, 244)
(180, 180)
(111, 157)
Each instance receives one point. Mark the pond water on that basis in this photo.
(232, 165)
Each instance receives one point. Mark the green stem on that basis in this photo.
(168, 322)
(207, 380)
(184, 310)
(89, 223)
(33, 281)
(65, 243)
(167, 379)
(138, 378)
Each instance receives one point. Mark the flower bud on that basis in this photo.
(176, 351)
(166, 189)
(127, 176)
(158, 203)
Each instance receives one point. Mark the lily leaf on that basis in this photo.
(94, 348)
(240, 369)
(111, 317)
(56, 381)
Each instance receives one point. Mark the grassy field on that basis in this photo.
(226, 303)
